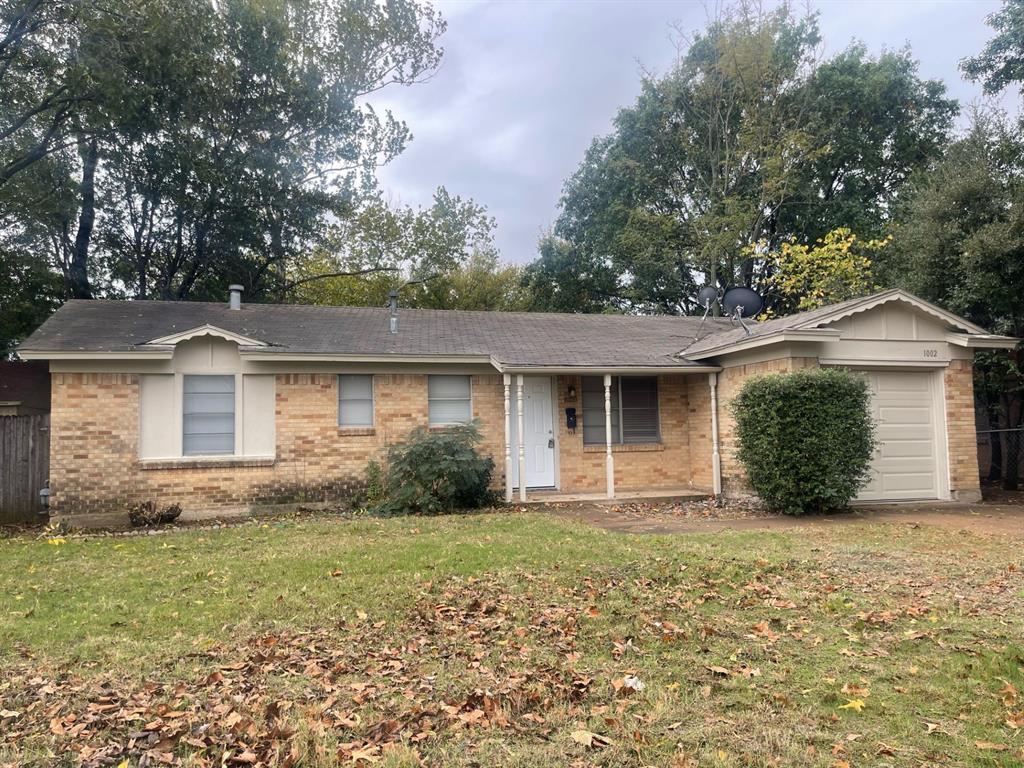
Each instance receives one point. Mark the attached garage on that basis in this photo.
(918, 359)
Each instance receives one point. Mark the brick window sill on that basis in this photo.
(625, 448)
(357, 431)
(207, 462)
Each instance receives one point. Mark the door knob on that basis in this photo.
(551, 442)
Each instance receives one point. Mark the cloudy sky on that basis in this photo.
(526, 84)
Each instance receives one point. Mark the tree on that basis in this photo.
(1001, 62)
(441, 257)
(960, 243)
(835, 268)
(748, 139)
(209, 143)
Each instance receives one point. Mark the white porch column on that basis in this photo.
(508, 436)
(716, 458)
(609, 459)
(520, 423)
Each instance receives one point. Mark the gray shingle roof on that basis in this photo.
(512, 338)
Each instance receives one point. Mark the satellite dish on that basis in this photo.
(708, 295)
(742, 302)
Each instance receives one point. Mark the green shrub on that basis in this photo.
(374, 491)
(436, 471)
(805, 438)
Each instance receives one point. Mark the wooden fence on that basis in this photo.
(24, 466)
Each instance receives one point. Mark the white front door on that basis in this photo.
(906, 461)
(539, 433)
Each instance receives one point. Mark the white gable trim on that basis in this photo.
(206, 330)
(897, 294)
(982, 341)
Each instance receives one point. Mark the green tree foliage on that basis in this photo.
(436, 471)
(441, 257)
(748, 139)
(805, 438)
(194, 143)
(960, 243)
(836, 267)
(1001, 62)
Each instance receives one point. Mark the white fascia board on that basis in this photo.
(133, 354)
(587, 370)
(982, 341)
(206, 330)
(754, 341)
(257, 355)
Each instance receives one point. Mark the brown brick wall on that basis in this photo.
(666, 465)
(730, 380)
(964, 481)
(95, 433)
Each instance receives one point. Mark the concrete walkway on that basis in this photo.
(995, 519)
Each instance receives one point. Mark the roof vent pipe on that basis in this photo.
(393, 307)
(235, 296)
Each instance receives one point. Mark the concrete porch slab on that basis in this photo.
(624, 495)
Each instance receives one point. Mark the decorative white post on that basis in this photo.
(716, 459)
(520, 423)
(609, 460)
(508, 436)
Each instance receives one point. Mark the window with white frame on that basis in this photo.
(634, 401)
(208, 415)
(449, 400)
(355, 400)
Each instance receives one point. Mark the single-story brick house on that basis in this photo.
(219, 406)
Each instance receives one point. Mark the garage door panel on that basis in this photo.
(899, 415)
(915, 482)
(908, 449)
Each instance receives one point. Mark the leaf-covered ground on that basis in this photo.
(512, 640)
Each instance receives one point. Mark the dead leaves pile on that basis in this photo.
(472, 654)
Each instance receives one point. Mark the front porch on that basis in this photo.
(588, 435)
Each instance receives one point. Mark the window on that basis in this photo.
(208, 408)
(355, 400)
(634, 410)
(449, 402)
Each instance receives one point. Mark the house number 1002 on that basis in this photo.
(931, 353)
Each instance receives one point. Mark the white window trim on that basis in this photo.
(472, 404)
(373, 402)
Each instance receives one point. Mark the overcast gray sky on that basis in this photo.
(526, 84)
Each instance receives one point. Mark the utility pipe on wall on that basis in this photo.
(520, 423)
(716, 458)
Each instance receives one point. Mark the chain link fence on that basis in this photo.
(993, 446)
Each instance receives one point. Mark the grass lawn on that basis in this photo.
(512, 640)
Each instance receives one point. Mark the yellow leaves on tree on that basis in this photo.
(836, 267)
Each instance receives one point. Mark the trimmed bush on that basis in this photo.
(436, 471)
(805, 438)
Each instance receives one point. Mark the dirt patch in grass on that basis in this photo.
(869, 646)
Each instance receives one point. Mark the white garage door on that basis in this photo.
(905, 465)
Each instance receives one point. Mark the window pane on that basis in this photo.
(356, 413)
(355, 400)
(208, 415)
(640, 410)
(449, 412)
(448, 399)
(593, 410)
(448, 387)
(356, 387)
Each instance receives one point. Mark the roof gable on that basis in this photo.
(817, 320)
(205, 330)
